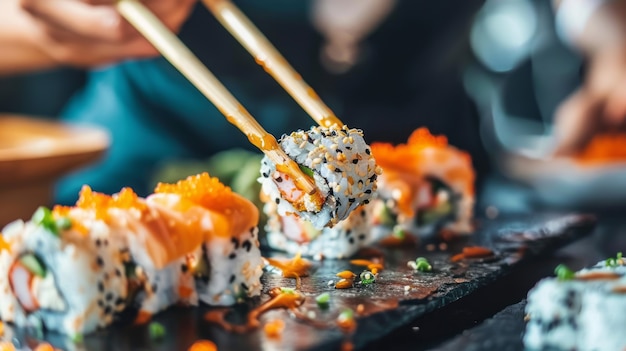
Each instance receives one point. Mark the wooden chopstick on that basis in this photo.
(266, 55)
(179, 55)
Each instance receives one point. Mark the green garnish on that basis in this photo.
(306, 170)
(387, 217)
(322, 300)
(367, 277)
(345, 315)
(43, 216)
(399, 233)
(289, 291)
(563, 272)
(77, 338)
(422, 265)
(157, 331)
(614, 262)
(33, 264)
(64, 223)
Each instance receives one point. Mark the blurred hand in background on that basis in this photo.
(83, 33)
(599, 105)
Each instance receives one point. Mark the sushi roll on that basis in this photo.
(578, 311)
(340, 163)
(426, 184)
(125, 258)
(293, 234)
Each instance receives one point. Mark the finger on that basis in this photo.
(615, 110)
(92, 22)
(576, 122)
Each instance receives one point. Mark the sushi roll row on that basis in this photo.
(124, 258)
(578, 310)
(425, 184)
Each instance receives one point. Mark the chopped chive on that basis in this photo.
(422, 265)
(64, 223)
(289, 291)
(367, 277)
(563, 272)
(306, 170)
(322, 300)
(157, 331)
(77, 338)
(614, 262)
(346, 314)
(43, 216)
(399, 233)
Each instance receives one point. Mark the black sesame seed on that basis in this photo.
(366, 201)
(373, 177)
(348, 232)
(109, 296)
(184, 268)
(232, 256)
(309, 139)
(361, 236)
(338, 170)
(351, 200)
(99, 261)
(118, 272)
(363, 212)
(333, 133)
(339, 151)
(232, 279)
(367, 151)
(101, 286)
(277, 200)
(331, 192)
(368, 191)
(265, 175)
(349, 147)
(98, 242)
(244, 286)
(235, 242)
(108, 310)
(355, 161)
(360, 181)
(351, 240)
(100, 303)
(247, 245)
(119, 301)
(279, 179)
(324, 160)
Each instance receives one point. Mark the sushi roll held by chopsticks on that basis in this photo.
(341, 164)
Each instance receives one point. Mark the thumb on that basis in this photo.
(576, 122)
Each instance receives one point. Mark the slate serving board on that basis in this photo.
(387, 304)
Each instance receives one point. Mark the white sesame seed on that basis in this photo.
(331, 283)
(407, 288)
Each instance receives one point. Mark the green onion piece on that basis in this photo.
(157, 331)
(345, 315)
(64, 223)
(322, 300)
(614, 262)
(43, 216)
(563, 272)
(306, 170)
(367, 277)
(610, 262)
(289, 291)
(77, 338)
(399, 233)
(422, 265)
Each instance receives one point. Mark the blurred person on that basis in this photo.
(386, 67)
(597, 29)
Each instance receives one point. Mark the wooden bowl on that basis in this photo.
(34, 153)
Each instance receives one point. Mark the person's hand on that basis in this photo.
(88, 33)
(599, 105)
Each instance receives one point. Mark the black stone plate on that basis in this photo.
(386, 303)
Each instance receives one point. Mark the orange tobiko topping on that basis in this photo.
(240, 213)
(101, 203)
(203, 345)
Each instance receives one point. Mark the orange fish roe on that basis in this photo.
(3, 246)
(604, 148)
(203, 345)
(201, 189)
(210, 193)
(274, 329)
(101, 203)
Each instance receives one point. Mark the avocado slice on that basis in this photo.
(33, 265)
